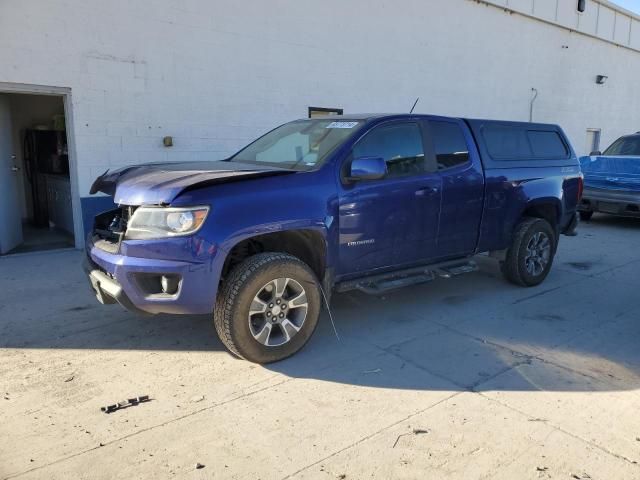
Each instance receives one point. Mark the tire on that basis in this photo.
(585, 216)
(526, 267)
(244, 313)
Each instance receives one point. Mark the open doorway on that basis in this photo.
(36, 211)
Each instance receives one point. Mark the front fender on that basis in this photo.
(242, 210)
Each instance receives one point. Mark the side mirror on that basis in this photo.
(595, 153)
(367, 168)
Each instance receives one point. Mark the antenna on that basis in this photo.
(414, 105)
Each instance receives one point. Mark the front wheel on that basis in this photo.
(530, 256)
(268, 307)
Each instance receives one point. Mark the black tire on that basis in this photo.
(585, 216)
(514, 267)
(238, 291)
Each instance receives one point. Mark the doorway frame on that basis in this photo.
(65, 94)
(597, 133)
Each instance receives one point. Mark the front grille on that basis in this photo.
(110, 227)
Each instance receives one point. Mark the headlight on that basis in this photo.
(158, 222)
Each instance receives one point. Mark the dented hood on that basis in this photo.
(161, 183)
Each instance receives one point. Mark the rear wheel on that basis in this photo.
(585, 216)
(530, 256)
(268, 307)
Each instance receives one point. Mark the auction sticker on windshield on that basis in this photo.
(342, 124)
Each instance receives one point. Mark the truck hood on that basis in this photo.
(161, 183)
(611, 172)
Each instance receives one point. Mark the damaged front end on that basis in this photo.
(160, 184)
(110, 228)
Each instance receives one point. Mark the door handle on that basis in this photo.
(15, 168)
(425, 191)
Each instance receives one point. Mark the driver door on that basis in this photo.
(392, 221)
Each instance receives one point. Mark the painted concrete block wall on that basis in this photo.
(215, 74)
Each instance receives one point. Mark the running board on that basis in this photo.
(377, 284)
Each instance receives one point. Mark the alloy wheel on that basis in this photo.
(278, 312)
(538, 253)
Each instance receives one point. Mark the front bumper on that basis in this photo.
(107, 289)
(120, 278)
(616, 202)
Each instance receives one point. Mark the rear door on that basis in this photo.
(392, 221)
(461, 174)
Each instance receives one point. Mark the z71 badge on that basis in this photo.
(358, 243)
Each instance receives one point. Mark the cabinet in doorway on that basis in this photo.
(59, 202)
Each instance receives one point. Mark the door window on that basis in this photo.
(399, 144)
(450, 145)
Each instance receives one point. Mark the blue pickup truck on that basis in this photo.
(370, 202)
(612, 179)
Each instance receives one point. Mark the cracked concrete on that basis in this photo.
(499, 381)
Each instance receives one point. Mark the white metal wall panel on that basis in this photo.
(568, 13)
(621, 33)
(524, 6)
(546, 9)
(635, 34)
(606, 22)
(588, 20)
(601, 18)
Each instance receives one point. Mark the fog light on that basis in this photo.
(169, 284)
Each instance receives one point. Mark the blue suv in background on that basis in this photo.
(370, 202)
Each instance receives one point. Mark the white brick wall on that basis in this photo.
(214, 74)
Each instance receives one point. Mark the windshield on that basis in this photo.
(300, 145)
(625, 146)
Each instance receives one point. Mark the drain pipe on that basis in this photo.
(533, 99)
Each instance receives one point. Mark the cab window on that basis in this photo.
(450, 145)
(399, 144)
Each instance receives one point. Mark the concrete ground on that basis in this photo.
(464, 378)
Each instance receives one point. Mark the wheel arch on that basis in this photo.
(549, 209)
(307, 244)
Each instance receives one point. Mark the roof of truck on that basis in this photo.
(378, 116)
(355, 116)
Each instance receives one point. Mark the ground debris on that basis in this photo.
(375, 370)
(580, 265)
(69, 378)
(584, 476)
(199, 466)
(542, 469)
(415, 431)
(131, 402)
(197, 398)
